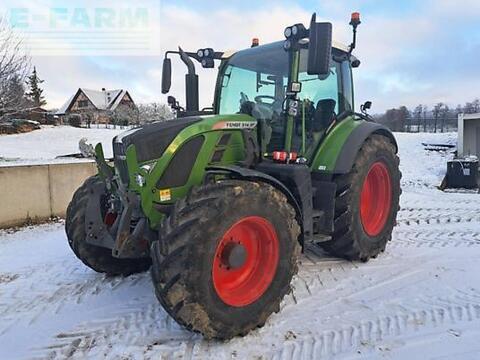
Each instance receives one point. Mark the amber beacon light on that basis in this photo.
(355, 19)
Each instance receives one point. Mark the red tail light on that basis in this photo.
(283, 156)
(280, 156)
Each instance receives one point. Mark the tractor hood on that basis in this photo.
(151, 140)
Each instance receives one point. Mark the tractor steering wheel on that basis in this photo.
(259, 99)
(243, 97)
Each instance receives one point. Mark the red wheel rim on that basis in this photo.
(240, 280)
(376, 199)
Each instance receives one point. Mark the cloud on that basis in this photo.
(425, 55)
(411, 52)
(222, 30)
(407, 58)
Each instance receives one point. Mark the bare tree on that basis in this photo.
(396, 119)
(458, 110)
(436, 114)
(444, 112)
(425, 110)
(125, 115)
(14, 66)
(472, 107)
(154, 112)
(417, 114)
(476, 106)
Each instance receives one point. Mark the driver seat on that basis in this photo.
(324, 114)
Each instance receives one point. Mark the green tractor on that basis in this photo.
(220, 201)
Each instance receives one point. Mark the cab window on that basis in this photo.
(315, 88)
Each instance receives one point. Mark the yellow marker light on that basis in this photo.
(165, 195)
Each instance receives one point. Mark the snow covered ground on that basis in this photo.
(44, 145)
(419, 300)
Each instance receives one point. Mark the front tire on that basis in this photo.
(366, 203)
(97, 258)
(225, 257)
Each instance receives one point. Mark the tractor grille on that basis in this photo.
(119, 159)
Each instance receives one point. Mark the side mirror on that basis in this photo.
(319, 48)
(166, 75)
(366, 106)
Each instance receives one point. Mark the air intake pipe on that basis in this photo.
(191, 82)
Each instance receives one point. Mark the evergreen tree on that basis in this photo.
(35, 93)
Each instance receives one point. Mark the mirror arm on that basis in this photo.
(344, 114)
(365, 117)
(187, 61)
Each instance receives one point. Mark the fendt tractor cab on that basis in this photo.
(220, 201)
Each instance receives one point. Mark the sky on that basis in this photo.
(412, 52)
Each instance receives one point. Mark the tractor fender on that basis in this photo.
(354, 142)
(254, 175)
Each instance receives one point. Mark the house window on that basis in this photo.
(83, 103)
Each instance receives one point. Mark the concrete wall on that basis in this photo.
(39, 192)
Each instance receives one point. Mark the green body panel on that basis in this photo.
(326, 156)
(212, 129)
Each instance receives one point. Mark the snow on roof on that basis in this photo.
(118, 99)
(471, 116)
(65, 106)
(340, 46)
(102, 100)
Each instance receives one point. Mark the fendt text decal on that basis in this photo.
(235, 125)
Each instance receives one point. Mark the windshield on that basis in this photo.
(254, 82)
(262, 72)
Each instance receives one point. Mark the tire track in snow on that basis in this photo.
(434, 238)
(334, 342)
(410, 216)
(141, 323)
(425, 223)
(422, 200)
(151, 320)
(148, 327)
(68, 289)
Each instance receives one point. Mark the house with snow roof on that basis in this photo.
(97, 106)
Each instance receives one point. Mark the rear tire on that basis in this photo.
(201, 289)
(97, 258)
(367, 201)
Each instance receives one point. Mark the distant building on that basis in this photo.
(36, 113)
(469, 134)
(96, 107)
